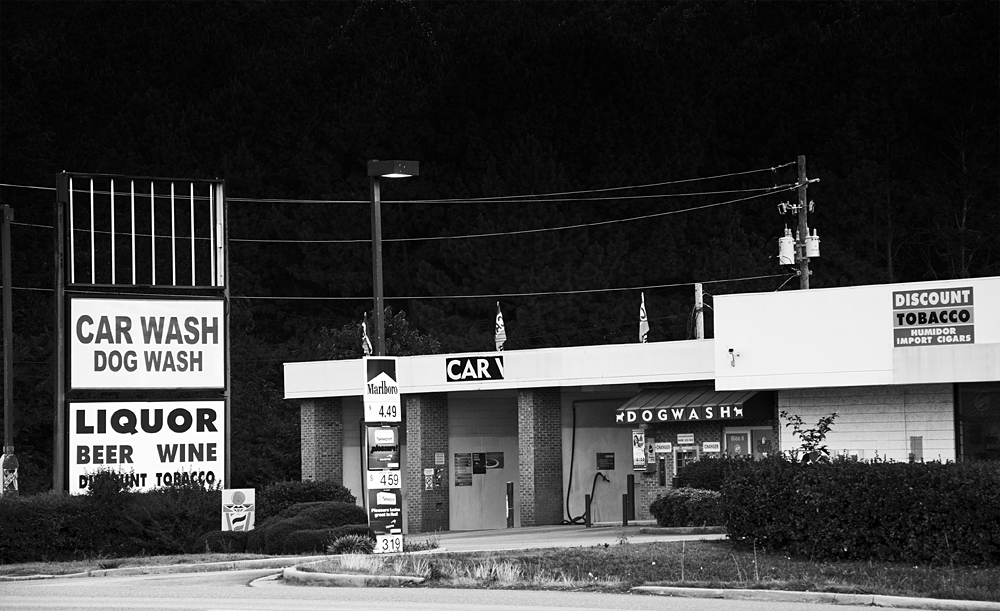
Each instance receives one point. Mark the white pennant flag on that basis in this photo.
(499, 333)
(366, 344)
(643, 322)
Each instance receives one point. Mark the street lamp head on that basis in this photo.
(392, 168)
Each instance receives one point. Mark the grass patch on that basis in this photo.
(93, 564)
(714, 564)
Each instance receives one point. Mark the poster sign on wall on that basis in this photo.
(638, 450)
(151, 444)
(238, 509)
(933, 317)
(463, 469)
(147, 343)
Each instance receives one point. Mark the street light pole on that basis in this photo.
(376, 171)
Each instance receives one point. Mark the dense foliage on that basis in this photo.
(113, 521)
(687, 507)
(921, 512)
(893, 103)
(316, 522)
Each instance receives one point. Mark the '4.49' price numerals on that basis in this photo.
(382, 412)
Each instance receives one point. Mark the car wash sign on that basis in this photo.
(147, 343)
(151, 444)
(933, 317)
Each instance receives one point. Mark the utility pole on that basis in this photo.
(9, 461)
(803, 235)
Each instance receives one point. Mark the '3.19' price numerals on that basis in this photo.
(388, 544)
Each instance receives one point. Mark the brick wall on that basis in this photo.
(322, 436)
(426, 434)
(539, 425)
(879, 419)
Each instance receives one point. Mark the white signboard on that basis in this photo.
(381, 392)
(685, 438)
(384, 480)
(147, 343)
(711, 446)
(238, 509)
(152, 444)
(663, 447)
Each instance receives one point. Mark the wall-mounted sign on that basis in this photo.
(685, 438)
(663, 447)
(638, 450)
(605, 461)
(478, 463)
(152, 444)
(695, 414)
(473, 368)
(147, 343)
(381, 394)
(494, 460)
(711, 446)
(438, 458)
(383, 447)
(933, 317)
(238, 509)
(463, 469)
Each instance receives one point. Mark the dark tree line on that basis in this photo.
(895, 105)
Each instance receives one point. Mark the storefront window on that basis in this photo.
(978, 421)
(744, 441)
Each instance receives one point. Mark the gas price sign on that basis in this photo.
(384, 480)
(388, 544)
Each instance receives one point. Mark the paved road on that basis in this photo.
(232, 591)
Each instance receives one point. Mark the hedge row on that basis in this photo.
(687, 507)
(923, 512)
(112, 522)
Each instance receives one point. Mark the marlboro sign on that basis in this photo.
(381, 392)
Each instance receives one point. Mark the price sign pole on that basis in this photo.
(383, 484)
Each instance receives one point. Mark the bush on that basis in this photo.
(274, 498)
(50, 527)
(688, 507)
(271, 535)
(352, 544)
(920, 512)
(306, 542)
(172, 520)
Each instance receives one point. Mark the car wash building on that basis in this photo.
(498, 439)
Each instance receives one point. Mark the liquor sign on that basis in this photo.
(381, 392)
(147, 343)
(238, 509)
(150, 444)
(383, 484)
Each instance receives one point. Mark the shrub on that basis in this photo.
(352, 544)
(274, 498)
(687, 507)
(922, 512)
(50, 526)
(306, 541)
(303, 516)
(172, 520)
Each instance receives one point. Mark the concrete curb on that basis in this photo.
(335, 580)
(228, 565)
(822, 597)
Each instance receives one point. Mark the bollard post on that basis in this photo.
(586, 511)
(625, 509)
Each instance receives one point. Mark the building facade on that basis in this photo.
(520, 438)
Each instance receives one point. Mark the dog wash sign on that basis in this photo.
(138, 343)
(933, 317)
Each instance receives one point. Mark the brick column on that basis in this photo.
(322, 435)
(539, 440)
(426, 418)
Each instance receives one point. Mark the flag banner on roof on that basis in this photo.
(499, 333)
(643, 322)
(366, 344)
